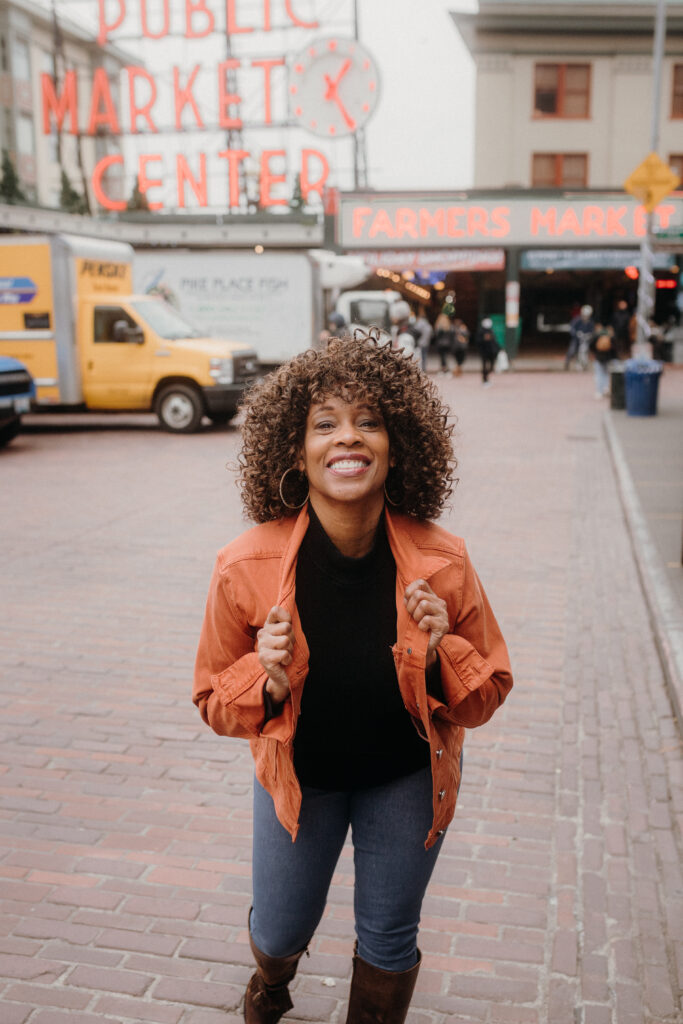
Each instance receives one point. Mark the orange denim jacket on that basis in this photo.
(258, 570)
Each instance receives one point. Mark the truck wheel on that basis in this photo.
(179, 408)
(8, 431)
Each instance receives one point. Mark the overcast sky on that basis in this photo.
(421, 135)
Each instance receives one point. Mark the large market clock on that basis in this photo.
(334, 87)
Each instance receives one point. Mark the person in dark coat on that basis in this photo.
(603, 349)
(488, 349)
(621, 319)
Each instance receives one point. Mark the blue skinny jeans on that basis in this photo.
(389, 824)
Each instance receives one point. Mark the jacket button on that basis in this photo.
(438, 754)
(410, 650)
(442, 793)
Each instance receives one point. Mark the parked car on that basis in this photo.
(16, 392)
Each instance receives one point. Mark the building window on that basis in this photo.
(676, 164)
(562, 90)
(21, 65)
(25, 137)
(677, 97)
(555, 170)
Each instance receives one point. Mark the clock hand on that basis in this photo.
(332, 93)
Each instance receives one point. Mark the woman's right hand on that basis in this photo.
(275, 646)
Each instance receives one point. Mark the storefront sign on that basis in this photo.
(590, 259)
(407, 221)
(436, 259)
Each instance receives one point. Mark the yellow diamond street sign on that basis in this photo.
(651, 181)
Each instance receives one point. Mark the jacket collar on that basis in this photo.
(411, 561)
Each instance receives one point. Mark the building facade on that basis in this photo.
(564, 91)
(32, 43)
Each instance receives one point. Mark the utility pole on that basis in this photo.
(646, 281)
(360, 166)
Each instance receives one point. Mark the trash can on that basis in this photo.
(642, 383)
(617, 390)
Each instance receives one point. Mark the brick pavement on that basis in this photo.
(125, 824)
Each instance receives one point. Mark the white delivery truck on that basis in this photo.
(69, 313)
(367, 308)
(271, 300)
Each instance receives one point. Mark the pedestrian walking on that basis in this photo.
(349, 639)
(460, 343)
(444, 339)
(426, 330)
(603, 350)
(581, 331)
(405, 335)
(621, 319)
(488, 349)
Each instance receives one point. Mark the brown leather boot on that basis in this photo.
(380, 997)
(267, 997)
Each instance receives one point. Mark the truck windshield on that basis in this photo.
(371, 312)
(164, 320)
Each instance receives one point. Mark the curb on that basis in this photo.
(665, 613)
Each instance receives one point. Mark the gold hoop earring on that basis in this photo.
(282, 480)
(391, 500)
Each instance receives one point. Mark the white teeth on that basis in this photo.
(348, 464)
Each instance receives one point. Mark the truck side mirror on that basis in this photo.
(119, 331)
(135, 335)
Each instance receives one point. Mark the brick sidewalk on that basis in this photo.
(125, 824)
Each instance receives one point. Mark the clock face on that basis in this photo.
(334, 87)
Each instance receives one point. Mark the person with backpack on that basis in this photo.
(404, 333)
(444, 339)
(488, 349)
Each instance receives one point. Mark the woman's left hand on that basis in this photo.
(429, 612)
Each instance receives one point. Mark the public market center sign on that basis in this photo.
(332, 89)
(397, 221)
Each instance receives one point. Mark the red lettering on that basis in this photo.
(406, 222)
(184, 174)
(360, 215)
(184, 96)
(145, 183)
(268, 65)
(266, 15)
(429, 221)
(105, 26)
(453, 215)
(66, 104)
(268, 179)
(102, 93)
(500, 216)
(664, 215)
(234, 158)
(547, 220)
(614, 225)
(143, 111)
(165, 24)
(297, 21)
(233, 28)
(477, 221)
(308, 186)
(640, 221)
(382, 225)
(193, 7)
(101, 168)
(569, 222)
(226, 99)
(593, 220)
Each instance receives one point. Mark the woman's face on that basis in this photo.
(345, 453)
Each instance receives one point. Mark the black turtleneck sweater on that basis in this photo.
(354, 730)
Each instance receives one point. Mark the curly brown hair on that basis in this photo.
(363, 367)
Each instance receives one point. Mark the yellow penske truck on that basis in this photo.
(68, 313)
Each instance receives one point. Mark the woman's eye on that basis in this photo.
(324, 425)
(370, 423)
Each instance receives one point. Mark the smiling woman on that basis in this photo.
(350, 640)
